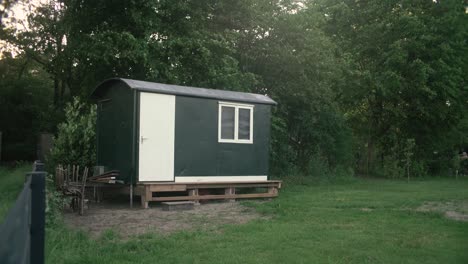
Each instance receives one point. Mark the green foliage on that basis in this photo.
(25, 97)
(318, 172)
(405, 64)
(408, 153)
(307, 121)
(260, 47)
(55, 202)
(353, 79)
(400, 162)
(5, 6)
(390, 168)
(75, 142)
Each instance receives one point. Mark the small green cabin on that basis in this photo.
(153, 132)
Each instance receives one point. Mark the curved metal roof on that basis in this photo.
(188, 91)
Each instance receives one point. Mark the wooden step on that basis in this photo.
(178, 206)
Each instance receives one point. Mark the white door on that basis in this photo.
(157, 121)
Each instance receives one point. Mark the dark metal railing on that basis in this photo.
(22, 232)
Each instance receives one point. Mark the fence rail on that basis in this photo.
(22, 232)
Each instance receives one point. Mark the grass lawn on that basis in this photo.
(367, 221)
(11, 184)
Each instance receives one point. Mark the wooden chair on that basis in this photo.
(73, 183)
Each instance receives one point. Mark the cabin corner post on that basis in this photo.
(146, 196)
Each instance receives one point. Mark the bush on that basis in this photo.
(418, 169)
(319, 172)
(391, 168)
(75, 142)
(55, 202)
(311, 149)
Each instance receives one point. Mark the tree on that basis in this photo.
(4, 7)
(25, 97)
(298, 69)
(81, 43)
(405, 70)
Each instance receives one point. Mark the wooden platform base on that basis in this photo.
(154, 191)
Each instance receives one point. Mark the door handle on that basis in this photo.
(142, 139)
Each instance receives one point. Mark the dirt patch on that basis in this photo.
(456, 210)
(129, 222)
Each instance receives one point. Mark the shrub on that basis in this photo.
(75, 142)
(55, 202)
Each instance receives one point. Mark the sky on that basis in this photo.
(20, 11)
(17, 16)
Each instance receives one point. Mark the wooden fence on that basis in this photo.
(22, 232)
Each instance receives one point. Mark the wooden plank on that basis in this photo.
(185, 187)
(168, 188)
(213, 197)
(208, 183)
(230, 182)
(234, 185)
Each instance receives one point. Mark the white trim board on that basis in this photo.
(220, 178)
(236, 104)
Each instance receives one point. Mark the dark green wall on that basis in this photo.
(197, 151)
(115, 129)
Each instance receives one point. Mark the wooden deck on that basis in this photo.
(151, 191)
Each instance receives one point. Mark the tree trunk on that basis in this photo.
(56, 91)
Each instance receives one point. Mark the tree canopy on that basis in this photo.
(360, 84)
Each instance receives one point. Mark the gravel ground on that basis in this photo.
(129, 222)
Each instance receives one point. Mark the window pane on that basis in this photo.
(227, 122)
(244, 124)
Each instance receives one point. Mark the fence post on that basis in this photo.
(38, 212)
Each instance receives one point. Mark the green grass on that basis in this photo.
(11, 183)
(309, 224)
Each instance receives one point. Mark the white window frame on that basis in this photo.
(236, 122)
